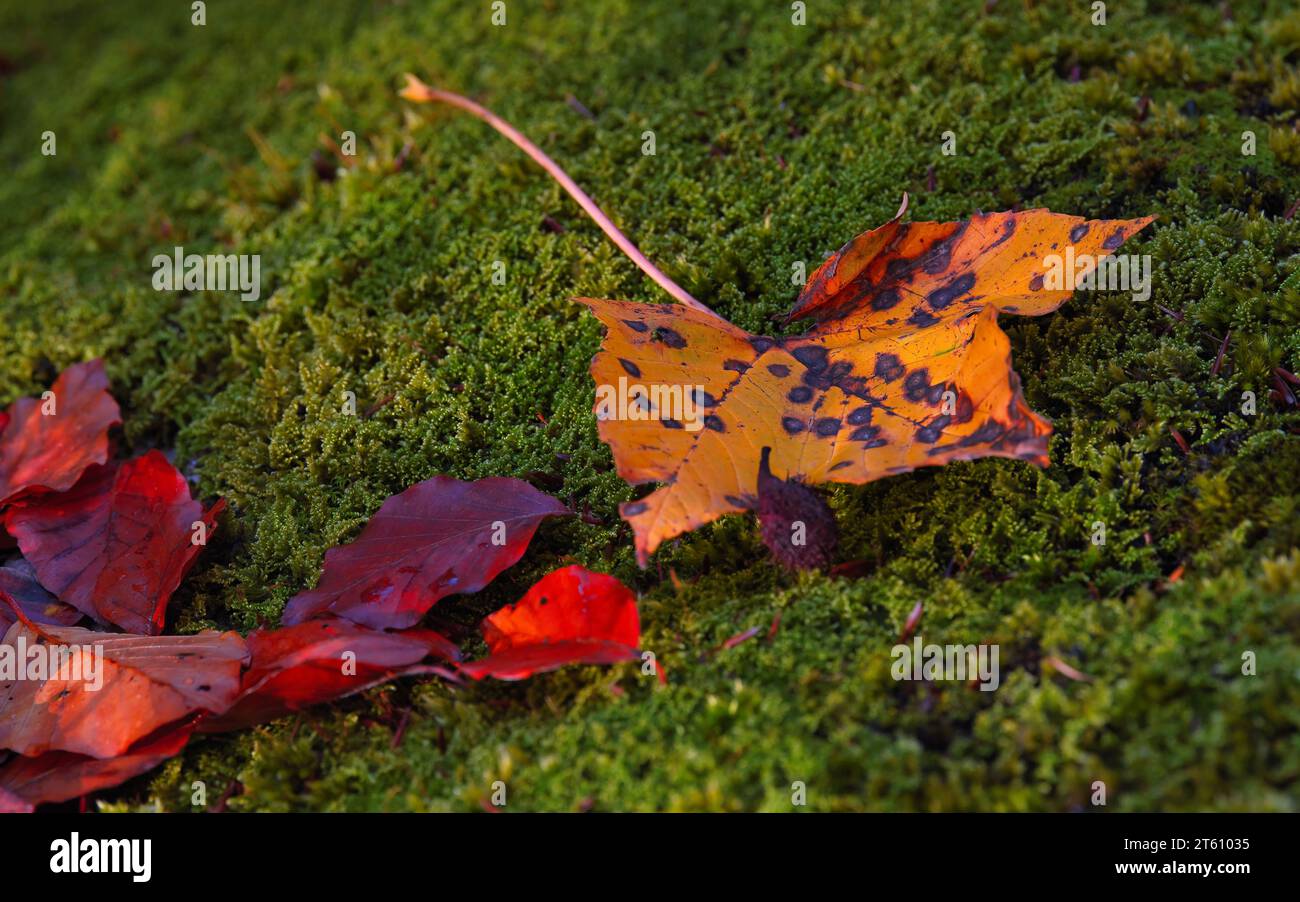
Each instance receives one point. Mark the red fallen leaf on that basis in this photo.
(1181, 442)
(50, 451)
(59, 776)
(116, 546)
(298, 666)
(570, 616)
(145, 683)
(438, 538)
(18, 579)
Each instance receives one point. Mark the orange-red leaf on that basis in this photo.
(570, 616)
(144, 683)
(46, 444)
(905, 367)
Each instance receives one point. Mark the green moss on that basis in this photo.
(775, 144)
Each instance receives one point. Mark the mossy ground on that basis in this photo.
(775, 143)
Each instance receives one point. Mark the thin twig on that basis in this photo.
(419, 92)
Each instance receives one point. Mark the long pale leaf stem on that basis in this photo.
(420, 92)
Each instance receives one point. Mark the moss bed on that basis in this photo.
(775, 143)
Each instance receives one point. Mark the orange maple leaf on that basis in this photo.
(905, 367)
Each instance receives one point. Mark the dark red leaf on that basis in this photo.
(298, 666)
(116, 546)
(59, 776)
(437, 538)
(18, 579)
(50, 450)
(144, 683)
(570, 616)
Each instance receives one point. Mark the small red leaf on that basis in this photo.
(318, 661)
(570, 616)
(48, 443)
(114, 690)
(439, 537)
(116, 546)
(60, 776)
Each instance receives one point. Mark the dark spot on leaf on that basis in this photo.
(1008, 229)
(671, 424)
(635, 325)
(942, 297)
(736, 366)
(800, 394)
(922, 318)
(826, 426)
(885, 299)
(841, 465)
(989, 432)
(630, 368)
(792, 425)
(940, 256)
(811, 356)
(860, 417)
(1114, 240)
(715, 423)
(916, 385)
(635, 508)
(779, 370)
(930, 434)
(669, 337)
(704, 399)
(1078, 232)
(889, 367)
(761, 344)
(1036, 283)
